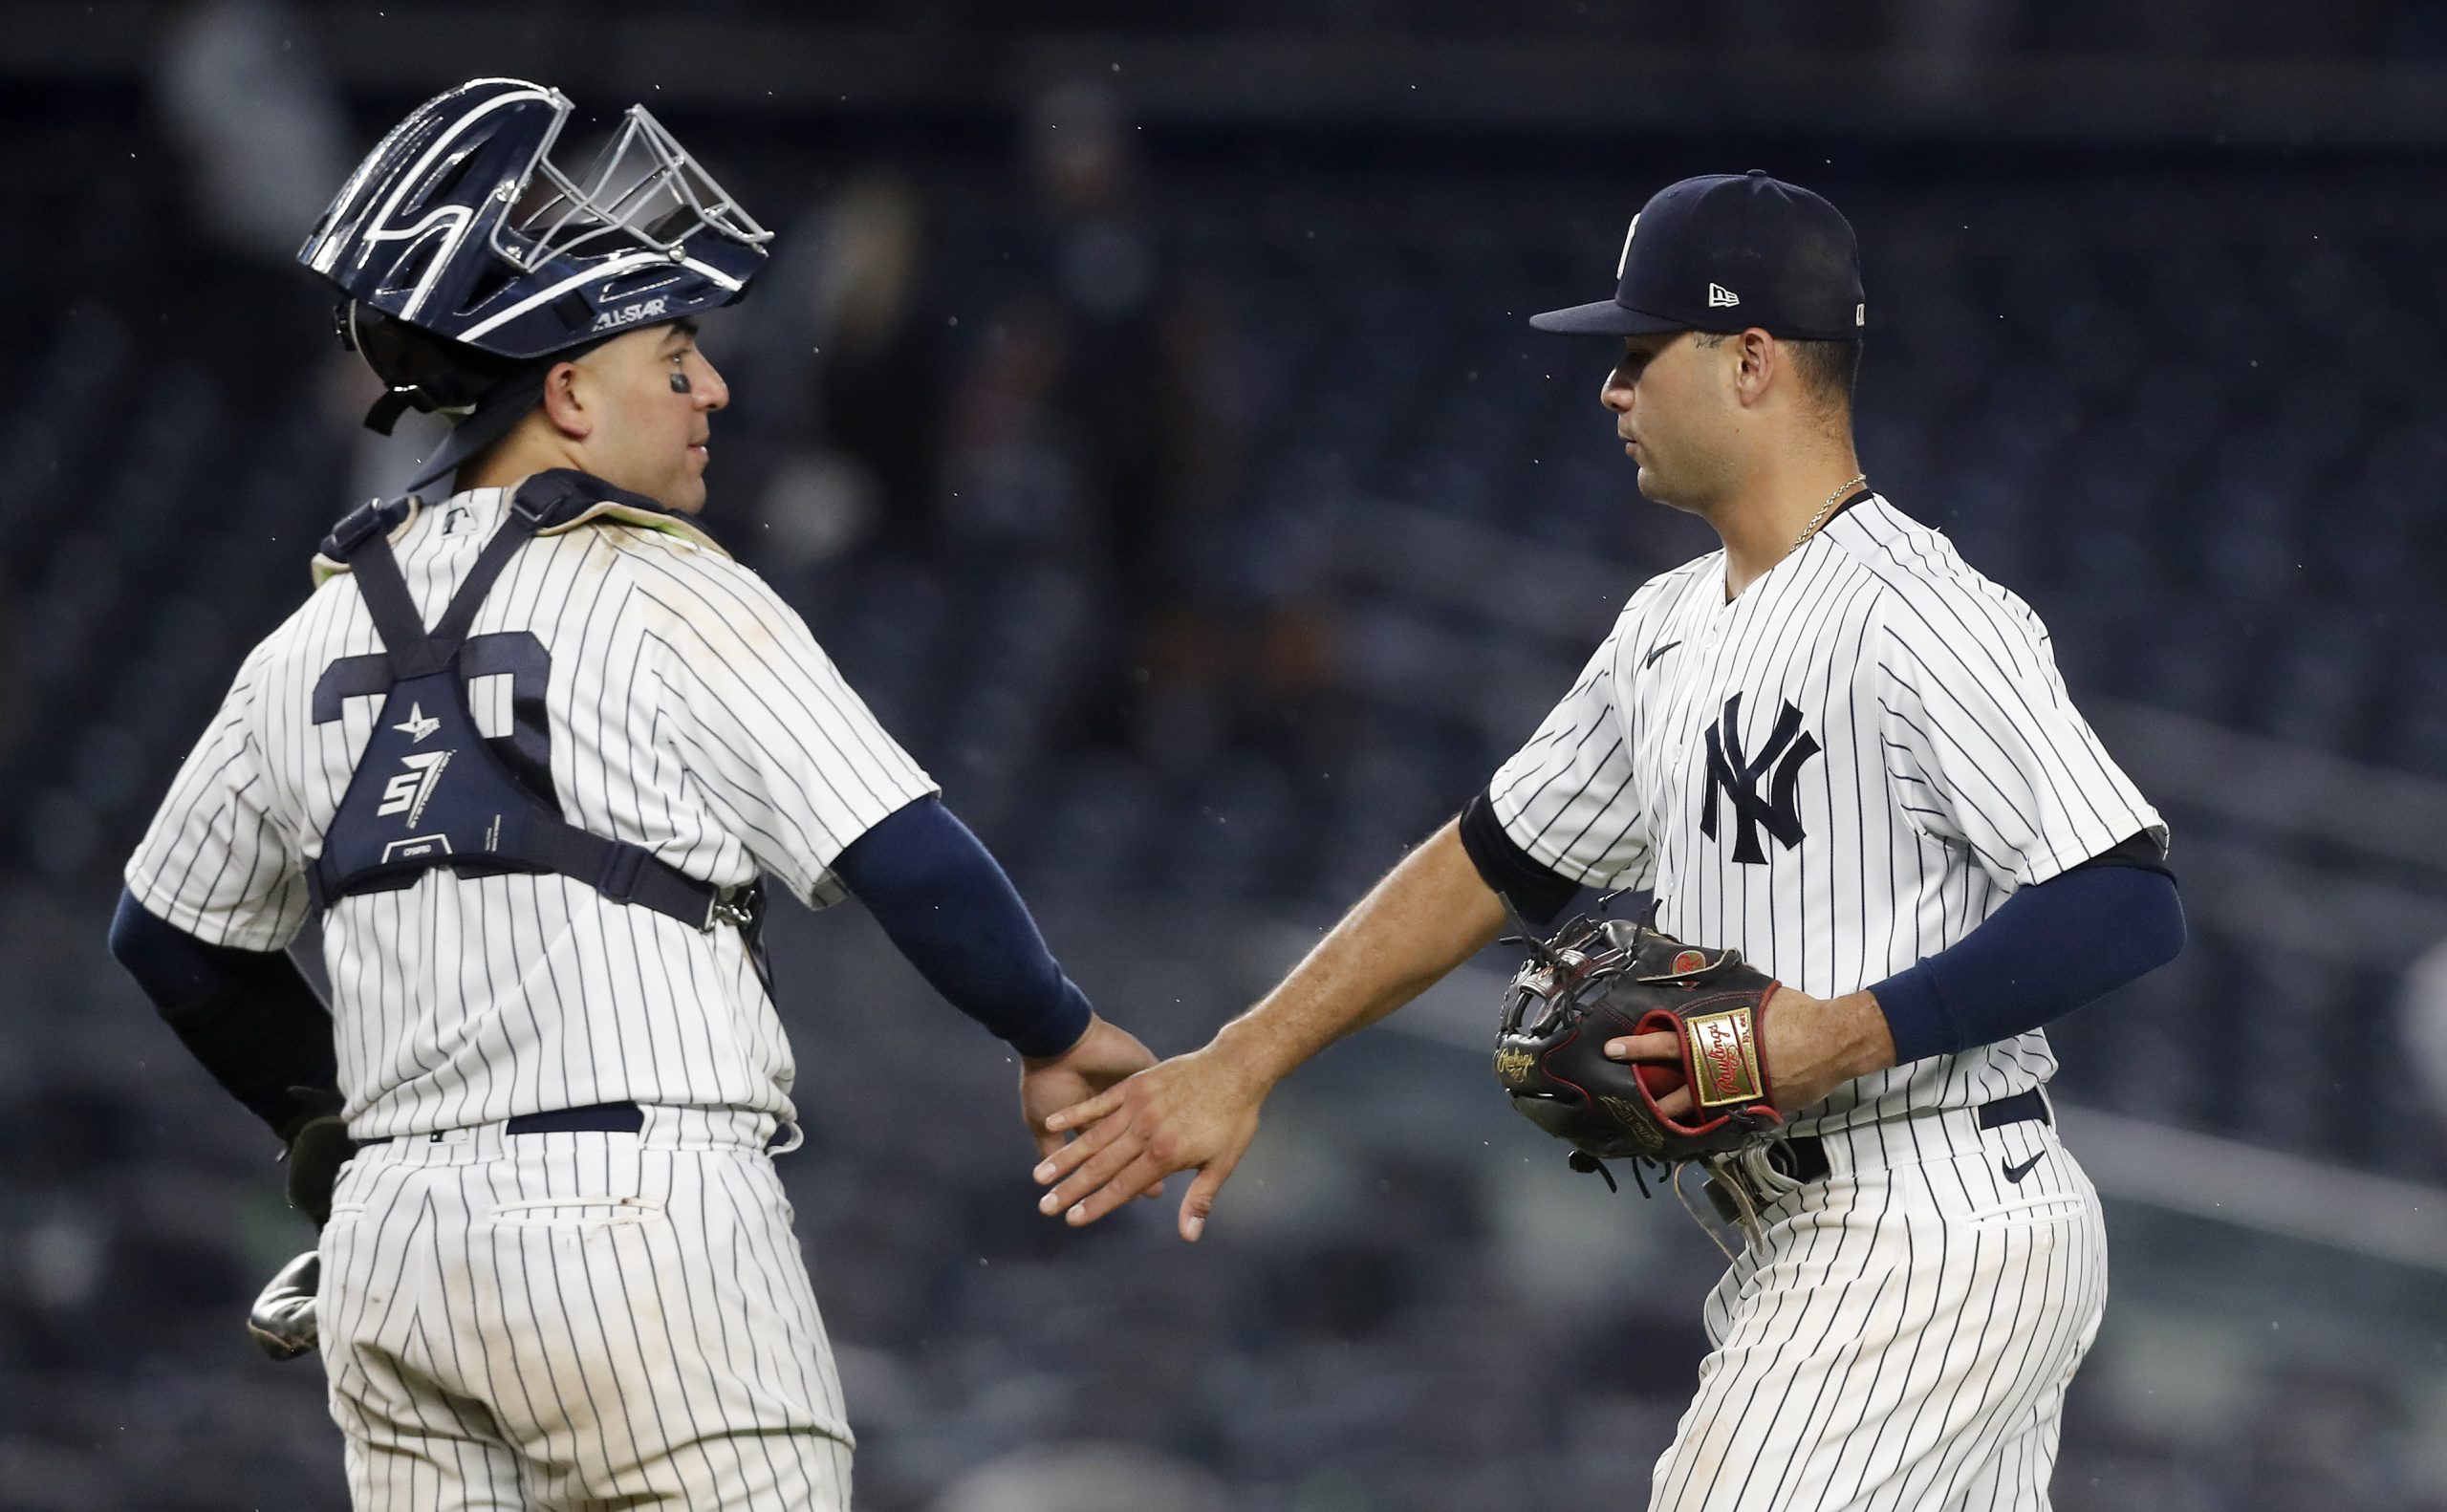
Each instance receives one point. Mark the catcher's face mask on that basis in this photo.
(471, 255)
(643, 188)
(465, 224)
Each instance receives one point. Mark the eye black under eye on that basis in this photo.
(679, 384)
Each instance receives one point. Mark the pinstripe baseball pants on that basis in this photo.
(578, 1321)
(1903, 1335)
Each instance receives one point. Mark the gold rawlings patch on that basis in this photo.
(1724, 1058)
(1512, 1067)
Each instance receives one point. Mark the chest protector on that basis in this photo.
(428, 791)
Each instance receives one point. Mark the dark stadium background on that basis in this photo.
(1140, 408)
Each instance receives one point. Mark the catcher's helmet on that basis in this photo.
(467, 256)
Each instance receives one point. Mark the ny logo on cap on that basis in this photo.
(1720, 296)
(1625, 260)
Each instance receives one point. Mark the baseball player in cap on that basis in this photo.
(529, 749)
(1835, 747)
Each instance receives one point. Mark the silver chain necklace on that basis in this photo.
(1825, 510)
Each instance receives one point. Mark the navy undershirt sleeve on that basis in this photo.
(248, 1016)
(947, 906)
(1537, 893)
(2045, 952)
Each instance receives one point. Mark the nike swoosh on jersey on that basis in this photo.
(2015, 1173)
(1650, 659)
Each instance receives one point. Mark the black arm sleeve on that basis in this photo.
(248, 1016)
(1538, 891)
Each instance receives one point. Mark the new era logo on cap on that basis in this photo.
(1725, 252)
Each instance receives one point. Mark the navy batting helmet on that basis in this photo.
(467, 256)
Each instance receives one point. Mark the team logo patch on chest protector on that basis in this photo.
(414, 801)
(1735, 776)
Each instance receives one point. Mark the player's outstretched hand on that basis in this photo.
(1103, 1056)
(1196, 1112)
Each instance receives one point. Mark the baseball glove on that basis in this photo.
(1600, 978)
(317, 1148)
(283, 1321)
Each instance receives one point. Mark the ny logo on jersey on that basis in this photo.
(408, 792)
(1789, 749)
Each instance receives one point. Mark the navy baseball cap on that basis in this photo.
(1728, 252)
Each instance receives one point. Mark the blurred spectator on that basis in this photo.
(876, 386)
(246, 99)
(1017, 479)
(1095, 307)
(2422, 1014)
(1102, 425)
(255, 120)
(841, 327)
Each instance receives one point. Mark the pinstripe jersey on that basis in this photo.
(687, 710)
(1843, 771)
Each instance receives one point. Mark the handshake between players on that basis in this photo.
(1830, 750)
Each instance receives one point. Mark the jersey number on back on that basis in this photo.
(514, 653)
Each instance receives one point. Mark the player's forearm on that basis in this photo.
(2049, 949)
(1814, 1046)
(247, 1017)
(1428, 915)
(950, 910)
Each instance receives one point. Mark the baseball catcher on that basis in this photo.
(536, 1130)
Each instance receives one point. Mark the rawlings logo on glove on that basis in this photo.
(1598, 980)
(1724, 1059)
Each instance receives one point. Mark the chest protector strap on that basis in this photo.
(429, 792)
